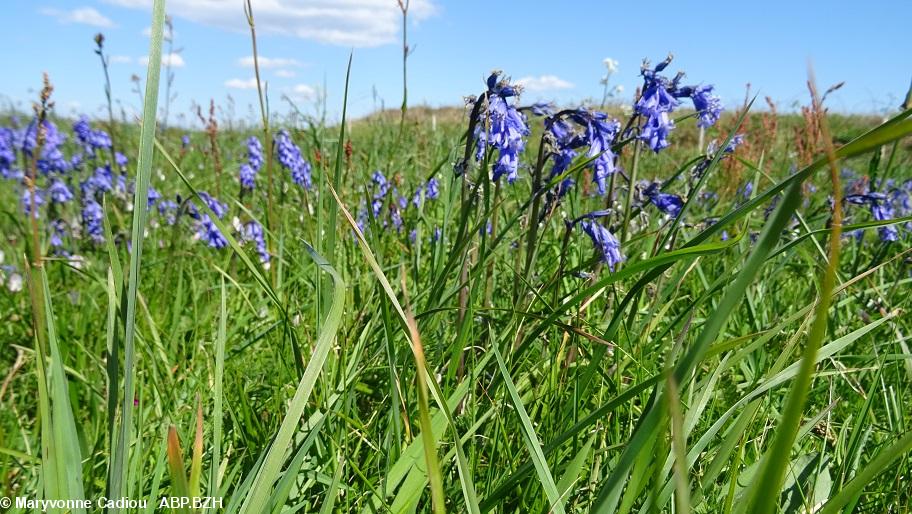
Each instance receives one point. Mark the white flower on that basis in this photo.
(14, 283)
(610, 64)
(618, 89)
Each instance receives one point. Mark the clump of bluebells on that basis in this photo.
(660, 98)
(288, 154)
(249, 170)
(594, 140)
(883, 206)
(388, 207)
(500, 127)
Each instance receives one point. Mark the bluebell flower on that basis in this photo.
(413, 235)
(253, 231)
(28, 201)
(597, 131)
(289, 156)
(502, 129)
(219, 208)
(433, 189)
(562, 160)
(655, 131)
(121, 160)
(376, 207)
(396, 218)
(58, 232)
(605, 243)
(168, 210)
(247, 176)
(732, 145)
(883, 212)
(706, 103)
(564, 187)
(152, 196)
(208, 233)
(542, 109)
(185, 141)
(91, 140)
(254, 153)
(7, 152)
(668, 203)
(600, 132)
(59, 192)
(381, 185)
(436, 234)
(401, 200)
(747, 189)
(93, 220)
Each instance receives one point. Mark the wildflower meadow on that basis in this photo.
(654, 300)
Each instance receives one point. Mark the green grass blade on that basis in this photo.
(121, 452)
(556, 502)
(257, 498)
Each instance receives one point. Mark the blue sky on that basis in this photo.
(456, 43)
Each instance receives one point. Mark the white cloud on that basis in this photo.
(174, 60)
(301, 92)
(544, 83)
(250, 83)
(81, 15)
(268, 62)
(121, 59)
(285, 74)
(340, 22)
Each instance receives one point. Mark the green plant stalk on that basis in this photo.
(764, 492)
(631, 187)
(119, 457)
(272, 225)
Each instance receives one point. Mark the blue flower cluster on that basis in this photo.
(249, 169)
(502, 128)
(580, 128)
(660, 98)
(894, 203)
(388, 206)
(289, 156)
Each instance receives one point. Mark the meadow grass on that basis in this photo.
(744, 356)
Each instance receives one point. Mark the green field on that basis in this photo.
(384, 323)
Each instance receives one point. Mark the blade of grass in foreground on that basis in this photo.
(61, 455)
(121, 451)
(425, 378)
(257, 499)
(775, 462)
(531, 440)
(217, 397)
(648, 424)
